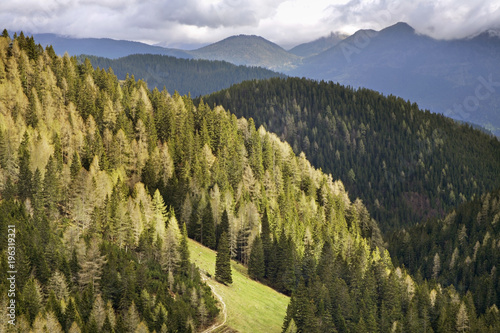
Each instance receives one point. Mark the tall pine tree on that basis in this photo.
(208, 230)
(184, 251)
(267, 244)
(256, 267)
(223, 261)
(223, 226)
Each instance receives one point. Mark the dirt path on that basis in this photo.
(224, 309)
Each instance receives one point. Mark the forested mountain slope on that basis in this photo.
(94, 250)
(461, 249)
(195, 77)
(96, 174)
(404, 163)
(250, 51)
(88, 169)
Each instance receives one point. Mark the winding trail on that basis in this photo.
(224, 308)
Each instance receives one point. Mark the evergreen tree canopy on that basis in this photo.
(406, 164)
(223, 261)
(97, 182)
(256, 264)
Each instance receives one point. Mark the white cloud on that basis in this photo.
(285, 22)
(443, 19)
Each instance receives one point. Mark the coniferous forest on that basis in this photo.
(104, 180)
(406, 165)
(187, 76)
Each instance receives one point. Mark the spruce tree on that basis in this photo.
(25, 174)
(31, 299)
(223, 226)
(106, 327)
(256, 267)
(72, 316)
(76, 165)
(184, 251)
(304, 310)
(223, 261)
(51, 187)
(208, 230)
(267, 244)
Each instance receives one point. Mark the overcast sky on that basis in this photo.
(178, 23)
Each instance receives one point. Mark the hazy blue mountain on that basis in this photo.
(250, 51)
(317, 46)
(460, 78)
(239, 50)
(103, 47)
(197, 77)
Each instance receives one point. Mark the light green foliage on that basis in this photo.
(98, 171)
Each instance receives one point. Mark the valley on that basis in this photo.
(338, 208)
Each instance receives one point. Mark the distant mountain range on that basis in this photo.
(459, 78)
(239, 50)
(104, 47)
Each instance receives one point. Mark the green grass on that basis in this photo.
(251, 306)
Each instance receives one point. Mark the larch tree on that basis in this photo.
(159, 214)
(57, 284)
(132, 318)
(51, 187)
(436, 268)
(52, 324)
(91, 267)
(74, 328)
(98, 312)
(170, 253)
(462, 323)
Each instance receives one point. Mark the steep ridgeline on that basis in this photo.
(195, 77)
(406, 164)
(461, 249)
(89, 166)
(94, 251)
